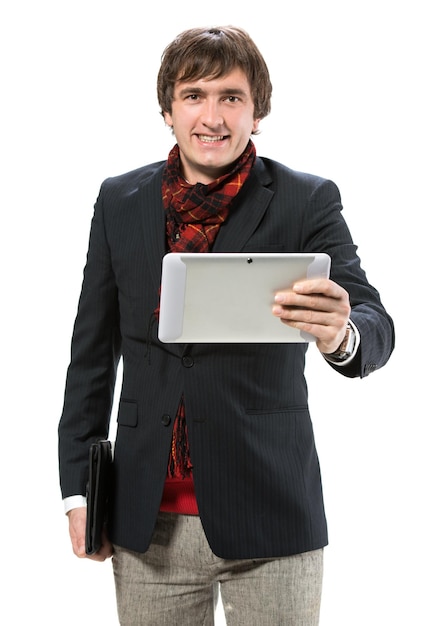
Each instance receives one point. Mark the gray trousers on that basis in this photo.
(177, 581)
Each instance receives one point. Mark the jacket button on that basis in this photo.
(166, 419)
(187, 361)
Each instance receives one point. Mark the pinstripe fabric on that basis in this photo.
(255, 465)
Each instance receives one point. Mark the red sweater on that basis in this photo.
(179, 496)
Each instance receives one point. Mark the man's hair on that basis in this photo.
(211, 53)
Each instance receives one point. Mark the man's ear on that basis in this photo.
(255, 126)
(168, 118)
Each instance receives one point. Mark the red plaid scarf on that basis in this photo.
(195, 212)
(194, 216)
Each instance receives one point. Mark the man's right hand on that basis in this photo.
(77, 533)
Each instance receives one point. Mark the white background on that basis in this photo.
(352, 101)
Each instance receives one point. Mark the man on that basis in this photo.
(216, 476)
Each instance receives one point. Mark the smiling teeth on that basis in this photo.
(207, 138)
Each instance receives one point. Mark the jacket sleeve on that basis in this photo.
(95, 351)
(325, 230)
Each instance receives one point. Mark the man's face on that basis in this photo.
(212, 121)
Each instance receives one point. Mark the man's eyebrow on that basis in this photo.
(186, 90)
(234, 92)
(230, 91)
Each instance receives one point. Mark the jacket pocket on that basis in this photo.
(127, 413)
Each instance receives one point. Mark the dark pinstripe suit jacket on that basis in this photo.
(256, 470)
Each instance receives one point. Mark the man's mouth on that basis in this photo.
(209, 139)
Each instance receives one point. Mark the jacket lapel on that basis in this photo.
(248, 211)
(233, 235)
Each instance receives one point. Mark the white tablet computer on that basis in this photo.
(228, 297)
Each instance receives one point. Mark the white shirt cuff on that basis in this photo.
(73, 502)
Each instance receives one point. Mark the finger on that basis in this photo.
(78, 547)
(77, 530)
(294, 303)
(318, 285)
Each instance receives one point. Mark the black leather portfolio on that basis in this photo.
(100, 472)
